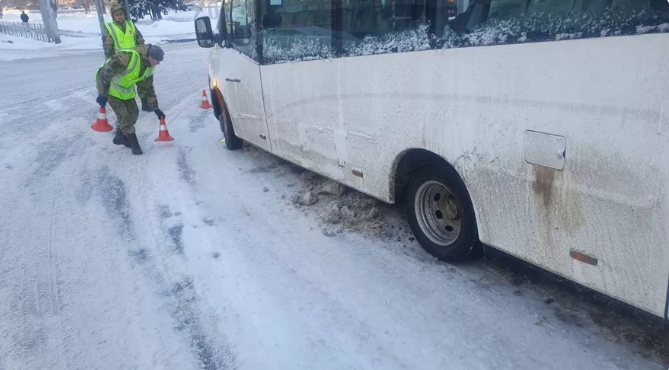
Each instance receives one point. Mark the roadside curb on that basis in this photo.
(173, 41)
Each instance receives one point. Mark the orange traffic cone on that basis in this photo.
(101, 124)
(163, 134)
(205, 103)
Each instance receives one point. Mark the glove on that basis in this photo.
(102, 100)
(159, 113)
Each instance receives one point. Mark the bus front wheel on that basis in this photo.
(441, 214)
(232, 141)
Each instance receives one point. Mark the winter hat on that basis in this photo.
(115, 8)
(155, 52)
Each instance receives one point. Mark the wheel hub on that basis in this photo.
(438, 213)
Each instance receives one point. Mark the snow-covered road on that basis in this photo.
(194, 257)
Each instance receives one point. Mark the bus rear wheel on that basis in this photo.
(441, 214)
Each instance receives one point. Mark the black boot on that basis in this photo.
(134, 144)
(120, 139)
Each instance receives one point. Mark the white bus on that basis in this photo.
(538, 127)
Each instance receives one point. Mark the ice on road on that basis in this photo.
(193, 257)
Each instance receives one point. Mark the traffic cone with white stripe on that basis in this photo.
(205, 103)
(101, 124)
(163, 134)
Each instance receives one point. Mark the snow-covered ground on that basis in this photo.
(15, 47)
(195, 257)
(80, 31)
(174, 23)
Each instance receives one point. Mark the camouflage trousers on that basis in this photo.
(127, 113)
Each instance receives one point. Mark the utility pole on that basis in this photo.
(99, 7)
(127, 10)
(49, 19)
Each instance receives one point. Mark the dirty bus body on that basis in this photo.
(549, 144)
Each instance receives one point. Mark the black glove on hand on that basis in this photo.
(102, 100)
(159, 113)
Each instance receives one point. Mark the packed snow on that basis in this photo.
(14, 47)
(80, 31)
(88, 23)
(195, 257)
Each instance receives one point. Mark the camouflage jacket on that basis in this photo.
(109, 41)
(117, 64)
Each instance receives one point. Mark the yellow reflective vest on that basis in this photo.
(123, 85)
(122, 41)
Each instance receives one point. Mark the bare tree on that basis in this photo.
(87, 5)
(47, 8)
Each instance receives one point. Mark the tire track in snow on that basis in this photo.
(186, 171)
(35, 301)
(187, 316)
(186, 312)
(115, 200)
(179, 292)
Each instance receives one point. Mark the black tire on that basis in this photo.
(232, 141)
(216, 107)
(466, 244)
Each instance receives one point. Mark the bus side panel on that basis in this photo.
(607, 97)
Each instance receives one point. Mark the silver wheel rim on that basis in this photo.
(438, 213)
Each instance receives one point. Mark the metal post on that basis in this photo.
(99, 7)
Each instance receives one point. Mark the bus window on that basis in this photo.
(243, 25)
(550, 6)
(507, 9)
(520, 21)
(296, 30)
(591, 5)
(386, 26)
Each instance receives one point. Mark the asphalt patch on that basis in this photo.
(188, 322)
(115, 200)
(176, 233)
(139, 256)
(198, 123)
(185, 169)
(164, 211)
(50, 156)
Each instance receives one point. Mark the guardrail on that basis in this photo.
(30, 30)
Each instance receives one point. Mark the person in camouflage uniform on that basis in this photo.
(125, 26)
(116, 81)
(121, 33)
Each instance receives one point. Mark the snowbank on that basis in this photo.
(8, 42)
(13, 47)
(166, 28)
(80, 31)
(180, 23)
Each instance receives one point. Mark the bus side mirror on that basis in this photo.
(203, 33)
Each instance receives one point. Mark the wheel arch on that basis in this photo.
(216, 101)
(219, 105)
(410, 160)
